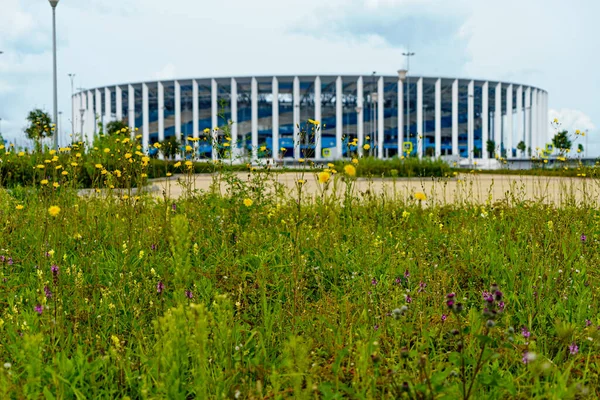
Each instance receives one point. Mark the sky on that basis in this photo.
(549, 44)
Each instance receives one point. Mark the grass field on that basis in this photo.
(258, 292)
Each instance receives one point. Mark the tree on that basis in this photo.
(490, 146)
(562, 142)
(522, 147)
(115, 126)
(40, 127)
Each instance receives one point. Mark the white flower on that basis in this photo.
(7, 365)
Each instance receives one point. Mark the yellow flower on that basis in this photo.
(144, 175)
(58, 167)
(420, 196)
(368, 138)
(118, 173)
(188, 148)
(55, 184)
(330, 165)
(301, 160)
(145, 159)
(20, 207)
(555, 120)
(207, 130)
(138, 137)
(73, 164)
(127, 156)
(106, 150)
(99, 166)
(282, 149)
(312, 121)
(188, 163)
(324, 177)
(156, 145)
(55, 159)
(54, 211)
(301, 181)
(41, 166)
(21, 154)
(355, 161)
(367, 146)
(52, 152)
(44, 181)
(177, 164)
(78, 155)
(350, 170)
(169, 174)
(263, 148)
(65, 173)
(226, 144)
(248, 202)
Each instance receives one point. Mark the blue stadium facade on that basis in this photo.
(421, 116)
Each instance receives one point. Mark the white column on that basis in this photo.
(318, 143)
(161, 115)
(254, 100)
(543, 118)
(296, 114)
(177, 113)
(455, 151)
(519, 115)
(275, 118)
(90, 118)
(119, 105)
(420, 133)
(75, 100)
(471, 120)
(360, 119)
(380, 118)
(339, 116)
(131, 109)
(234, 118)
(214, 109)
(485, 118)
(98, 111)
(401, 128)
(527, 115)
(498, 117)
(509, 121)
(535, 145)
(195, 111)
(438, 117)
(145, 118)
(107, 106)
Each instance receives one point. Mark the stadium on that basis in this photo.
(411, 115)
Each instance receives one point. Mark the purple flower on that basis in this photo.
(527, 357)
(408, 299)
(174, 207)
(189, 294)
(573, 349)
(10, 261)
(55, 270)
(450, 303)
(47, 292)
(160, 287)
(444, 316)
(525, 333)
(397, 281)
(583, 238)
(2, 258)
(588, 322)
(153, 247)
(376, 327)
(422, 286)
(501, 306)
(406, 274)
(373, 281)
(39, 309)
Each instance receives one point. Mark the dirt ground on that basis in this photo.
(469, 188)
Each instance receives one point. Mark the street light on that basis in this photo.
(81, 111)
(408, 55)
(53, 4)
(72, 76)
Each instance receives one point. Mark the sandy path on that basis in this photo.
(463, 188)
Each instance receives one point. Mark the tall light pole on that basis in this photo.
(372, 140)
(81, 111)
(72, 76)
(408, 55)
(53, 4)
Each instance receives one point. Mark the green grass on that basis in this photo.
(205, 297)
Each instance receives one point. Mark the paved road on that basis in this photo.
(463, 188)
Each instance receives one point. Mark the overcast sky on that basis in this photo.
(552, 44)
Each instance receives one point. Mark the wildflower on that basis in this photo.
(573, 349)
(355, 161)
(248, 202)
(583, 238)
(528, 357)
(127, 156)
(408, 299)
(420, 196)
(301, 181)
(314, 122)
(588, 322)
(55, 270)
(263, 148)
(422, 286)
(324, 177)
(106, 150)
(406, 274)
(54, 210)
(160, 287)
(444, 316)
(398, 312)
(173, 207)
(47, 292)
(177, 164)
(55, 185)
(526, 334)
(367, 146)
(350, 170)
(188, 148)
(20, 207)
(189, 294)
(374, 282)
(207, 130)
(405, 214)
(44, 182)
(39, 309)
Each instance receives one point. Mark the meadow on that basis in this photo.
(247, 290)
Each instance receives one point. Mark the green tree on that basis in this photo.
(562, 142)
(522, 147)
(490, 146)
(115, 126)
(580, 148)
(40, 127)
(170, 147)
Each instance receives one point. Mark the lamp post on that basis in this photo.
(53, 4)
(372, 106)
(81, 111)
(402, 78)
(408, 55)
(72, 76)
